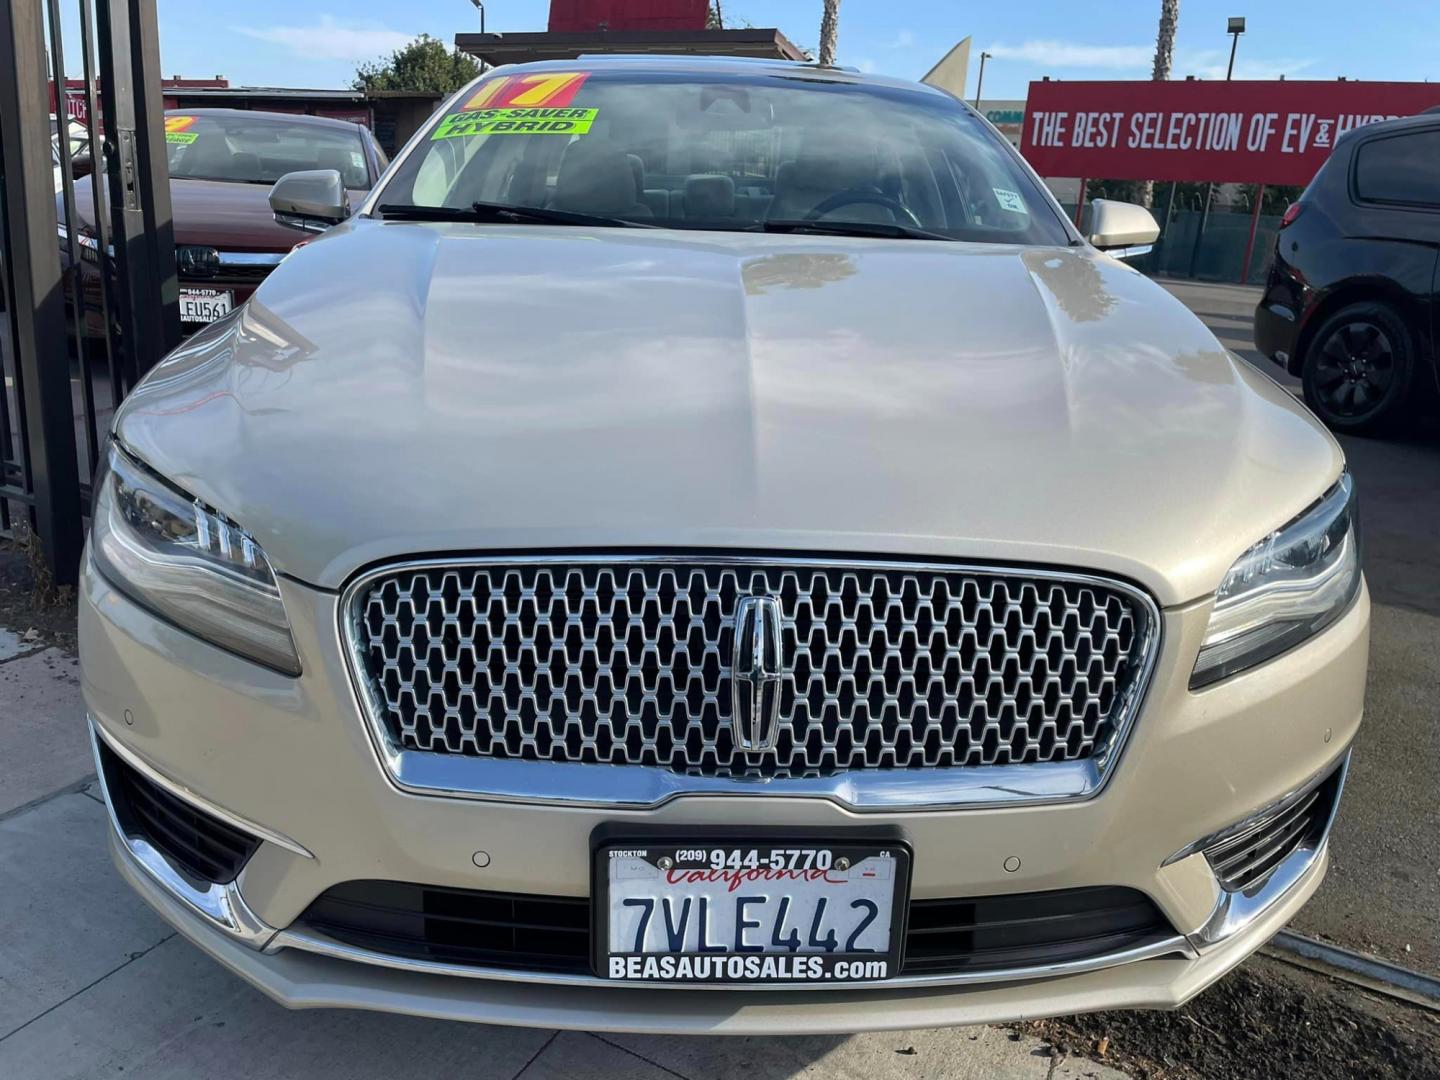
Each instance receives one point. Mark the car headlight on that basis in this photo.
(188, 564)
(1289, 586)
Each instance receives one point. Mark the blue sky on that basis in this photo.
(317, 43)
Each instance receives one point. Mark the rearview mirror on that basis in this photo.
(1122, 229)
(312, 200)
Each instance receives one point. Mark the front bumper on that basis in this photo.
(291, 760)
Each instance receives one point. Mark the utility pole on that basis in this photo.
(980, 83)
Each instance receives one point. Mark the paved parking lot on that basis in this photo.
(93, 984)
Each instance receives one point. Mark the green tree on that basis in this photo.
(424, 65)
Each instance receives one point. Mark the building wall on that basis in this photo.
(585, 16)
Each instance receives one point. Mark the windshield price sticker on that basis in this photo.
(177, 130)
(733, 913)
(554, 90)
(510, 121)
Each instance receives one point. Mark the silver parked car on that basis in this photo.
(707, 546)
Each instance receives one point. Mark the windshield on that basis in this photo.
(259, 149)
(729, 152)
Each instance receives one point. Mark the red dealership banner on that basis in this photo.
(1251, 132)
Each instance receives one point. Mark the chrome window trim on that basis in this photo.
(642, 787)
(308, 941)
(221, 906)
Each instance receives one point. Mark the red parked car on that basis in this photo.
(222, 165)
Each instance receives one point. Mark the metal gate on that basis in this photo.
(85, 310)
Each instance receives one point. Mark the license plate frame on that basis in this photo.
(840, 843)
(200, 294)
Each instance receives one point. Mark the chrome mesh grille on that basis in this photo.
(628, 663)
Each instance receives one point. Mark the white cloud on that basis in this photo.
(1062, 54)
(903, 39)
(867, 65)
(331, 39)
(1211, 64)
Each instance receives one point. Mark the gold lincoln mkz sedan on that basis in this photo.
(707, 546)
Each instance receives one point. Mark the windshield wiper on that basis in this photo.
(850, 228)
(484, 212)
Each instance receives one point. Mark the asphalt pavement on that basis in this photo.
(1382, 895)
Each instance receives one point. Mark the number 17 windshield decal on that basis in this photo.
(550, 90)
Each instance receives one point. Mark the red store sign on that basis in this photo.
(1249, 132)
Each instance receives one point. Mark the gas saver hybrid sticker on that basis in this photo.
(515, 122)
(521, 105)
(177, 130)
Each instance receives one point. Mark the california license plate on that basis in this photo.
(750, 912)
(205, 305)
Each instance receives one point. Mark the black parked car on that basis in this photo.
(1349, 305)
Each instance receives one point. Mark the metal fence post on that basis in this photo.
(38, 316)
(138, 183)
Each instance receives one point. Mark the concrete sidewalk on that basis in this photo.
(93, 984)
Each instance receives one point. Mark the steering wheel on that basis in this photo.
(872, 198)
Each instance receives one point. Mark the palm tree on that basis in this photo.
(1164, 59)
(829, 31)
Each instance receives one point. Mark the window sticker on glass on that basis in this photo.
(515, 122)
(1009, 200)
(177, 130)
(553, 90)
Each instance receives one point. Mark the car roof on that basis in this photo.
(303, 118)
(702, 66)
(1427, 119)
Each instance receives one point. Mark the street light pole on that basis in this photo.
(481, 8)
(1235, 28)
(980, 83)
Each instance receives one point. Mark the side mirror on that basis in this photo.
(311, 201)
(1123, 229)
(80, 164)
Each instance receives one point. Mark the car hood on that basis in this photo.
(398, 389)
(228, 216)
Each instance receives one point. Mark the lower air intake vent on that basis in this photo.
(192, 841)
(1028, 929)
(1250, 852)
(552, 934)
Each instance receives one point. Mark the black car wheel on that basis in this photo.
(1359, 369)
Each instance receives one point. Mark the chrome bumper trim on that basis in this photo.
(644, 787)
(221, 906)
(250, 260)
(140, 765)
(1234, 911)
(308, 941)
(639, 787)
